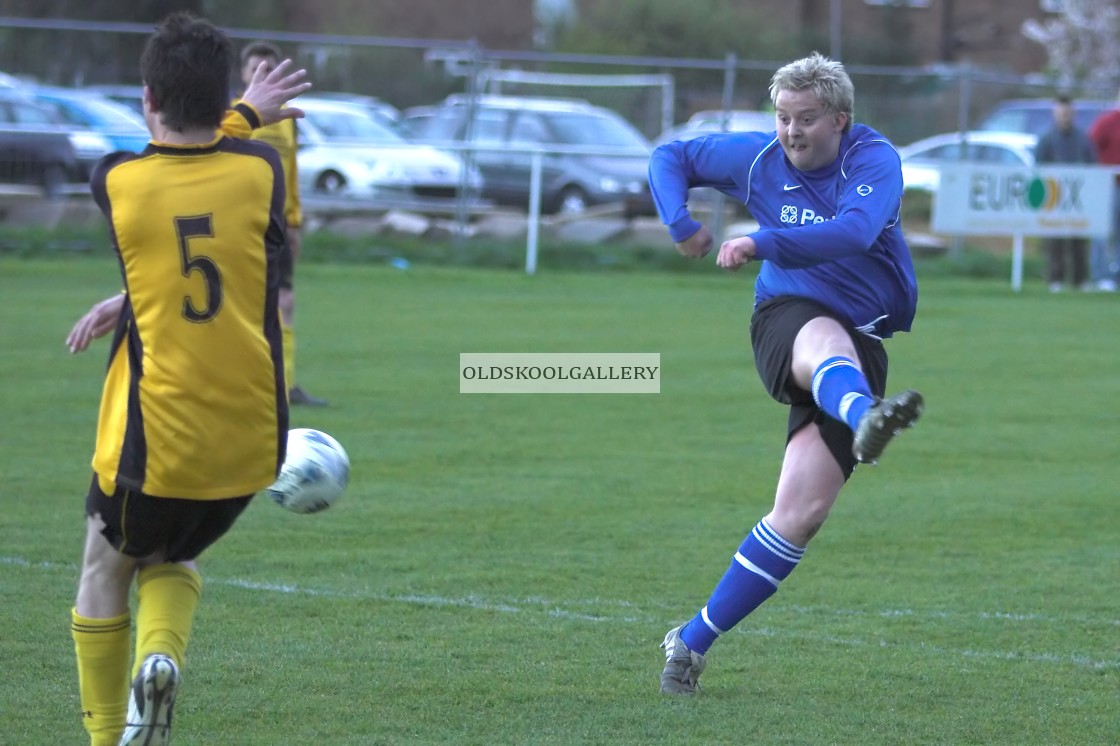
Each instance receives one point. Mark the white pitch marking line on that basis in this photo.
(554, 609)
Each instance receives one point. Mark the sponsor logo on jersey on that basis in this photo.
(806, 216)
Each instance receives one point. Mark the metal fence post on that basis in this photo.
(462, 206)
(533, 232)
(730, 65)
(956, 250)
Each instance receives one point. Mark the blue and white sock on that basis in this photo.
(764, 560)
(841, 391)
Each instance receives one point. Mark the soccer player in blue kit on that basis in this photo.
(836, 279)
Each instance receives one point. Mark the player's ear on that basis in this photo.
(841, 121)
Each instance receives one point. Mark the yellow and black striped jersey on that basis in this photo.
(240, 120)
(194, 403)
(283, 136)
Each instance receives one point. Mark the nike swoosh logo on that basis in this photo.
(791, 187)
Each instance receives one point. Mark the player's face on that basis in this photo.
(250, 66)
(809, 134)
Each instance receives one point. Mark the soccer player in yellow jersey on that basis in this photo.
(194, 412)
(282, 136)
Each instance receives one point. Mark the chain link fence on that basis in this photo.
(904, 103)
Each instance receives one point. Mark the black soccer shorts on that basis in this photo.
(774, 326)
(286, 264)
(139, 525)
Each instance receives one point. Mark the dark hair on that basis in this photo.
(1064, 98)
(260, 49)
(187, 65)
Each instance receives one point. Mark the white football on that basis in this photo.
(314, 475)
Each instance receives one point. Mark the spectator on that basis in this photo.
(1065, 143)
(282, 136)
(1105, 134)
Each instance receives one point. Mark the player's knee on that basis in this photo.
(820, 339)
(800, 522)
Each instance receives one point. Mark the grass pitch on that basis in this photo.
(503, 568)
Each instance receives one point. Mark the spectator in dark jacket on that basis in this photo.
(1065, 143)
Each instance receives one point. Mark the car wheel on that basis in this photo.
(330, 182)
(572, 201)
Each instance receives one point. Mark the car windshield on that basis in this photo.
(343, 124)
(587, 129)
(116, 115)
(26, 112)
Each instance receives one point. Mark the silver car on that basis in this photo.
(345, 152)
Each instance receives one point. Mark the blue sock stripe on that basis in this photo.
(779, 539)
(827, 365)
(776, 543)
(846, 403)
(841, 390)
(763, 561)
(752, 567)
(766, 549)
(708, 621)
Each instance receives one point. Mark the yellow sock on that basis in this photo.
(166, 597)
(288, 333)
(102, 647)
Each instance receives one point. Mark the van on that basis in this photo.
(1035, 116)
(591, 155)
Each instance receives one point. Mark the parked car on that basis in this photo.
(34, 158)
(10, 81)
(382, 111)
(414, 120)
(714, 120)
(121, 126)
(39, 148)
(343, 151)
(922, 160)
(131, 96)
(1036, 115)
(505, 128)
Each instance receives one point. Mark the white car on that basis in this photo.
(345, 152)
(922, 160)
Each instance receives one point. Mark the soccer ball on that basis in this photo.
(315, 472)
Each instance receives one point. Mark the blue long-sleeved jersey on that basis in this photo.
(832, 234)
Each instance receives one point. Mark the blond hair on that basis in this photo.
(827, 79)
